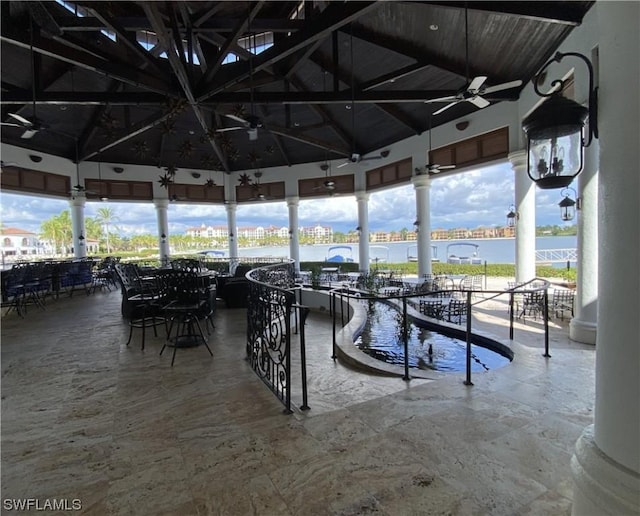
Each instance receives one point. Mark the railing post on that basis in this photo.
(287, 404)
(405, 338)
(468, 379)
(333, 329)
(511, 315)
(304, 311)
(545, 308)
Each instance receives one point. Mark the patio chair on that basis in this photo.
(562, 301)
(141, 301)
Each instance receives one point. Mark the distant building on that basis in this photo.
(20, 242)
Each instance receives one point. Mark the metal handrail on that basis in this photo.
(362, 295)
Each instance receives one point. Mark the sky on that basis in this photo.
(470, 199)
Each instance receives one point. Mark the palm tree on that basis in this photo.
(58, 230)
(105, 216)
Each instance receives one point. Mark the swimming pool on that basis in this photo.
(429, 348)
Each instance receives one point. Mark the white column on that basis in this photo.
(79, 235)
(232, 226)
(294, 238)
(525, 202)
(606, 463)
(162, 218)
(363, 224)
(584, 323)
(422, 185)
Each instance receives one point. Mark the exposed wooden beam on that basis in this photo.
(333, 17)
(108, 68)
(155, 17)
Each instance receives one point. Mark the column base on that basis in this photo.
(583, 331)
(601, 485)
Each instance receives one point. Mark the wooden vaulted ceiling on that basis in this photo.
(340, 78)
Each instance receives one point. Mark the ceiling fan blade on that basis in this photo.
(445, 108)
(237, 119)
(503, 86)
(348, 162)
(450, 98)
(7, 124)
(476, 83)
(225, 129)
(21, 119)
(29, 133)
(479, 102)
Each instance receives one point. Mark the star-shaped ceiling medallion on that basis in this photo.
(234, 154)
(269, 149)
(245, 180)
(171, 171)
(168, 126)
(185, 149)
(209, 183)
(140, 148)
(165, 181)
(207, 160)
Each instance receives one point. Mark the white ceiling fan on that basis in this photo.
(434, 168)
(475, 89)
(251, 123)
(329, 184)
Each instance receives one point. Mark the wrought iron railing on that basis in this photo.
(272, 302)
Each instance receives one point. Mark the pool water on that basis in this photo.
(382, 339)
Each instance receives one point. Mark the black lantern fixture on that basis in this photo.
(568, 205)
(81, 240)
(512, 216)
(163, 238)
(555, 131)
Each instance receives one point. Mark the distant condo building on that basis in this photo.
(320, 234)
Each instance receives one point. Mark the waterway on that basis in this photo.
(491, 250)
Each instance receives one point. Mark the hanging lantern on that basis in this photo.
(568, 206)
(512, 216)
(555, 132)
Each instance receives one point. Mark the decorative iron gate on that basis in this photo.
(269, 327)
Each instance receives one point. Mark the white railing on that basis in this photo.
(556, 255)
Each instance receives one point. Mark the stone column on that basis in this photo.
(79, 235)
(606, 463)
(232, 226)
(422, 185)
(294, 234)
(162, 206)
(584, 323)
(363, 224)
(525, 201)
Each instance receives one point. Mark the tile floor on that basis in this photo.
(85, 417)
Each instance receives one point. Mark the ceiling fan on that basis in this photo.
(257, 190)
(474, 90)
(355, 156)
(79, 188)
(328, 185)
(31, 127)
(434, 168)
(251, 123)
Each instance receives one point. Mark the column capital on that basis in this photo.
(293, 200)
(161, 203)
(361, 195)
(78, 199)
(518, 159)
(230, 206)
(421, 181)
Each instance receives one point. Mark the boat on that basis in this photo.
(412, 253)
(378, 254)
(212, 253)
(468, 254)
(340, 254)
